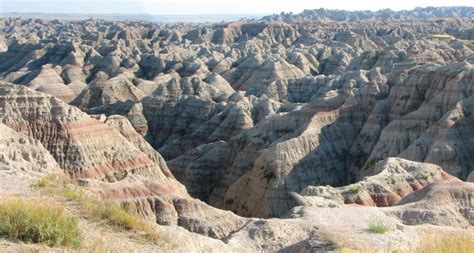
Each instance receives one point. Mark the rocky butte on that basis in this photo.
(289, 133)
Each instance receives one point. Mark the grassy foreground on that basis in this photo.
(448, 243)
(429, 243)
(106, 212)
(32, 222)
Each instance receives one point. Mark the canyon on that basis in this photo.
(264, 134)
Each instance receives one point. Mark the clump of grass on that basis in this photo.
(32, 222)
(331, 242)
(446, 243)
(355, 189)
(50, 180)
(378, 228)
(41, 183)
(107, 212)
(111, 213)
(70, 193)
(97, 245)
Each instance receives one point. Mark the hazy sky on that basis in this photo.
(183, 7)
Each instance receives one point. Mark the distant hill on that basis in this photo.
(204, 18)
(417, 14)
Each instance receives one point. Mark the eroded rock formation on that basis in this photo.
(257, 117)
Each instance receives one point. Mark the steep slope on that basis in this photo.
(106, 162)
(22, 161)
(133, 175)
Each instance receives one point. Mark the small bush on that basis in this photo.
(269, 175)
(378, 228)
(355, 189)
(331, 241)
(33, 222)
(373, 162)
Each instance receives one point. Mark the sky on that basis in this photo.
(193, 7)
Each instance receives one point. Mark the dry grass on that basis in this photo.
(105, 212)
(97, 245)
(51, 181)
(469, 43)
(33, 222)
(432, 243)
(442, 36)
(446, 243)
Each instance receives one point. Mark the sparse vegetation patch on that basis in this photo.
(30, 221)
(378, 228)
(107, 212)
(355, 189)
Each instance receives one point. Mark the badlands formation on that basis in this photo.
(290, 133)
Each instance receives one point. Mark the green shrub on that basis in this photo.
(33, 222)
(373, 162)
(355, 189)
(330, 241)
(269, 175)
(378, 228)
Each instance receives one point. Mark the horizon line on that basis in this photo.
(247, 13)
